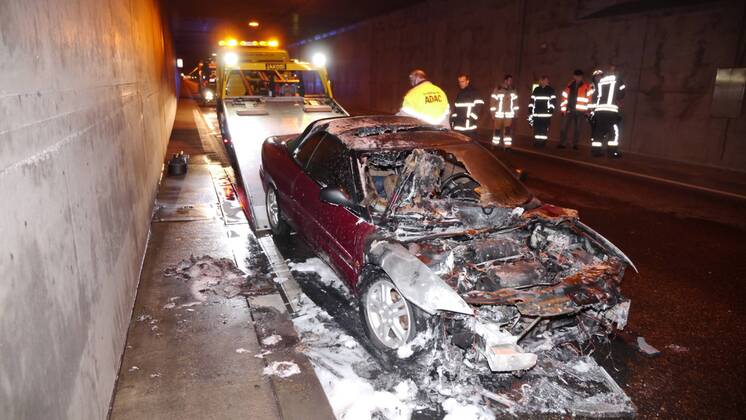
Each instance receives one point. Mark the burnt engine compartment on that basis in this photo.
(534, 255)
(529, 269)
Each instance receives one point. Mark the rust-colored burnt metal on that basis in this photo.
(551, 212)
(595, 284)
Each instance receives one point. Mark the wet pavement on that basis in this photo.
(687, 300)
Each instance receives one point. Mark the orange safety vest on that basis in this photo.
(585, 93)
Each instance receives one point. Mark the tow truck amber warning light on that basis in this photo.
(232, 43)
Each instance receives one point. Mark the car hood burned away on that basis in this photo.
(508, 276)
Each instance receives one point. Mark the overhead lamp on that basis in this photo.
(179, 63)
(254, 24)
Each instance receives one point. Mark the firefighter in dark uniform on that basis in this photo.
(540, 110)
(466, 108)
(605, 116)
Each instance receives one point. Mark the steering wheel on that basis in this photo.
(459, 185)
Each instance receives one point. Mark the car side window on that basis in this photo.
(331, 165)
(304, 152)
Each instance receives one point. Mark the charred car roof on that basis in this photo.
(390, 132)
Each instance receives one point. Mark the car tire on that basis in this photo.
(277, 222)
(387, 332)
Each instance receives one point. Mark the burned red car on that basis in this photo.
(427, 228)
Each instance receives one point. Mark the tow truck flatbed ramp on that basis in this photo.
(249, 125)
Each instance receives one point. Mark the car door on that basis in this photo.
(301, 155)
(323, 223)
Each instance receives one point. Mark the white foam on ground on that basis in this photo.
(282, 369)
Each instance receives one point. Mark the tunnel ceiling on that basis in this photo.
(197, 25)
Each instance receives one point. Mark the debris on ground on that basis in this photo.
(133, 369)
(262, 354)
(677, 349)
(241, 350)
(565, 380)
(271, 340)
(282, 369)
(208, 276)
(646, 348)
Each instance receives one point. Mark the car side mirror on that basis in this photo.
(337, 197)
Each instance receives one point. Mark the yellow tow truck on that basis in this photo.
(262, 92)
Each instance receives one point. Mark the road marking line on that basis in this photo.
(638, 175)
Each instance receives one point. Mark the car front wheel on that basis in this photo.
(390, 321)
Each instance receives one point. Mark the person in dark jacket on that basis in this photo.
(574, 106)
(466, 108)
(541, 109)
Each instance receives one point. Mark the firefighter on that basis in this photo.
(541, 108)
(605, 117)
(466, 108)
(504, 105)
(425, 101)
(574, 105)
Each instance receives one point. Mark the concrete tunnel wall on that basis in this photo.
(87, 102)
(668, 59)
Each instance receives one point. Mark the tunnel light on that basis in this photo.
(230, 59)
(254, 24)
(319, 59)
(179, 63)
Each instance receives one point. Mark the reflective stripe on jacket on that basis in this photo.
(504, 102)
(607, 93)
(466, 109)
(542, 102)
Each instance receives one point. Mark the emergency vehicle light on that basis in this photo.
(228, 42)
(230, 59)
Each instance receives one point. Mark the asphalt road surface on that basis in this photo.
(688, 298)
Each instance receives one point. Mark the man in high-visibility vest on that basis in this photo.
(606, 118)
(540, 109)
(466, 108)
(574, 106)
(504, 105)
(425, 101)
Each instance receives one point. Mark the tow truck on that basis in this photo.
(261, 93)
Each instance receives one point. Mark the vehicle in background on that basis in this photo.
(207, 78)
(261, 92)
(441, 242)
